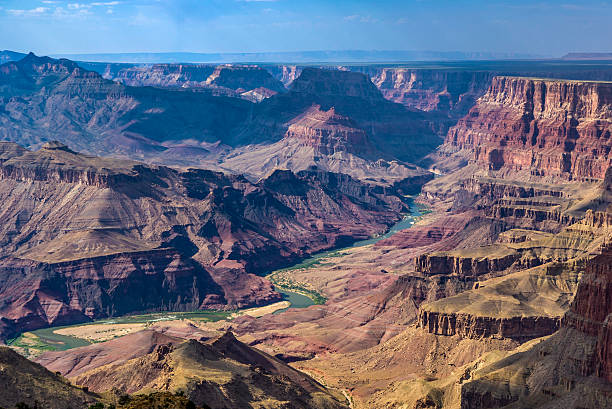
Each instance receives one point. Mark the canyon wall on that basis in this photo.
(591, 311)
(233, 79)
(471, 326)
(541, 128)
(570, 369)
(38, 294)
(453, 92)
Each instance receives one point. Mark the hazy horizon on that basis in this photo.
(274, 26)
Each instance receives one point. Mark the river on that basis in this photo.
(298, 300)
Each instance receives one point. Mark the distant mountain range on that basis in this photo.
(348, 56)
(587, 56)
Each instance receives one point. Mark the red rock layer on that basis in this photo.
(591, 310)
(432, 90)
(36, 295)
(139, 237)
(418, 236)
(497, 189)
(328, 132)
(543, 127)
(335, 83)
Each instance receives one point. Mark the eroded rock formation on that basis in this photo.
(543, 128)
(85, 237)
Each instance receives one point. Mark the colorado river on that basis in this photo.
(299, 300)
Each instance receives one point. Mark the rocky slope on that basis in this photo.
(7, 56)
(26, 382)
(335, 120)
(569, 369)
(540, 128)
(537, 278)
(220, 373)
(80, 233)
(452, 92)
(452, 88)
(591, 311)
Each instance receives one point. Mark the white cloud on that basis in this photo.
(361, 19)
(31, 12)
(107, 3)
(78, 6)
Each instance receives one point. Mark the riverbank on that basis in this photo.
(285, 283)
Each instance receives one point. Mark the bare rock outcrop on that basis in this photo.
(543, 128)
(591, 311)
(464, 265)
(470, 326)
(204, 372)
(569, 369)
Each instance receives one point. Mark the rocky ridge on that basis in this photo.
(219, 373)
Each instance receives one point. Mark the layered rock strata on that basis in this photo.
(542, 128)
(470, 326)
(569, 369)
(591, 311)
(85, 237)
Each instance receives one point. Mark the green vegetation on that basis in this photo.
(285, 283)
(36, 342)
(288, 288)
(157, 400)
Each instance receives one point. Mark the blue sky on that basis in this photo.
(540, 27)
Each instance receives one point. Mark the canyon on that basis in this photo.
(81, 232)
(496, 296)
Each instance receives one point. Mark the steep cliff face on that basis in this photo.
(226, 79)
(466, 265)
(39, 294)
(163, 75)
(470, 326)
(448, 91)
(591, 311)
(326, 82)
(520, 305)
(243, 78)
(328, 132)
(569, 369)
(284, 73)
(453, 88)
(542, 128)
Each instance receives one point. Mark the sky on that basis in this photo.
(548, 28)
